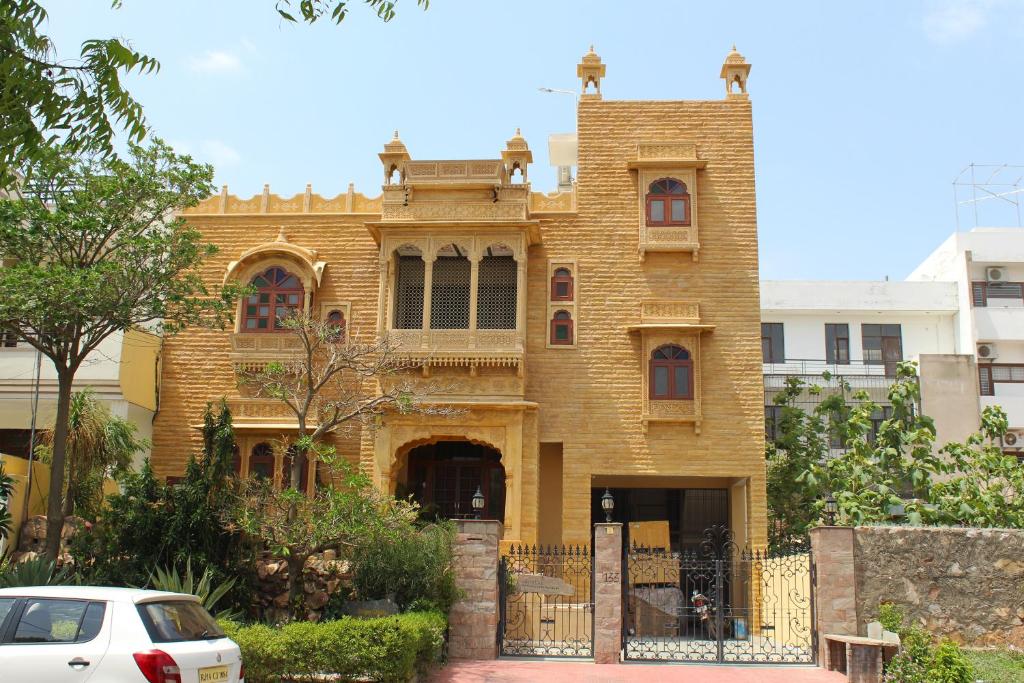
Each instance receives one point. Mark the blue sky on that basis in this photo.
(863, 112)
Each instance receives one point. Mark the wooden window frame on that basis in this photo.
(770, 360)
(835, 340)
(272, 306)
(890, 365)
(268, 457)
(343, 331)
(566, 279)
(671, 364)
(987, 381)
(557, 322)
(667, 198)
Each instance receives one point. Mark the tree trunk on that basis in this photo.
(296, 563)
(69, 494)
(54, 505)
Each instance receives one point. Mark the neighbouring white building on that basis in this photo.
(959, 314)
(987, 265)
(122, 372)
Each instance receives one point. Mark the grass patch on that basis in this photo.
(998, 666)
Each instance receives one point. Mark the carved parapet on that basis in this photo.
(669, 311)
(461, 348)
(251, 351)
(455, 171)
(266, 203)
(555, 202)
(454, 211)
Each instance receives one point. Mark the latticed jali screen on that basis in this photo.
(409, 293)
(449, 294)
(496, 294)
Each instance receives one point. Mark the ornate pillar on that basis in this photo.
(521, 299)
(382, 297)
(428, 286)
(511, 512)
(474, 282)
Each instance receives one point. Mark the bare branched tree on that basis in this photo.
(334, 382)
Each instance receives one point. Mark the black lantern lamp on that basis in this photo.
(478, 503)
(831, 510)
(607, 504)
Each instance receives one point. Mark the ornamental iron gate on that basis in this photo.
(546, 602)
(718, 604)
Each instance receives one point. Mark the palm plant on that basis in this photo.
(35, 572)
(6, 487)
(99, 445)
(169, 579)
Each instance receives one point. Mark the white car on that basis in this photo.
(72, 634)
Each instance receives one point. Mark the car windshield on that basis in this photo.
(173, 621)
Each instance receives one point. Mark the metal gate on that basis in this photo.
(718, 604)
(546, 602)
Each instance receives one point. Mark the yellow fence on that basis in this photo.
(17, 469)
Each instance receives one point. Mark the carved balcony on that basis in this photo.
(251, 351)
(462, 348)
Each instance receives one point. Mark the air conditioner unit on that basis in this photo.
(987, 352)
(995, 274)
(1013, 439)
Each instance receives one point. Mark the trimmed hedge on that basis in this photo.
(381, 649)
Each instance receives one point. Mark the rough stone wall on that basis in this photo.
(963, 584)
(473, 620)
(590, 396)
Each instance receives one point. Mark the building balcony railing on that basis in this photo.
(817, 367)
(251, 351)
(472, 348)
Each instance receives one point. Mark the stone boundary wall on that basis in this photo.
(473, 619)
(962, 584)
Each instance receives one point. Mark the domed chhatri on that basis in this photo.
(590, 70)
(735, 70)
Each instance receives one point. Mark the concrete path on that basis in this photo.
(547, 671)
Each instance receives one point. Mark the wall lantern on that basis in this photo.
(831, 510)
(607, 504)
(478, 502)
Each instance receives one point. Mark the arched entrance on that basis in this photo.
(443, 476)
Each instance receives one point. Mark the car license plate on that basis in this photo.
(213, 674)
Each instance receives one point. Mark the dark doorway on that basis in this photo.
(689, 512)
(443, 476)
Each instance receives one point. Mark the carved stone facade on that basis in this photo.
(523, 269)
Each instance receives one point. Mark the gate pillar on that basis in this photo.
(473, 619)
(607, 593)
(835, 593)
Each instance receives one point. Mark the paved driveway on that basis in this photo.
(547, 671)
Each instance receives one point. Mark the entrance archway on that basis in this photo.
(443, 476)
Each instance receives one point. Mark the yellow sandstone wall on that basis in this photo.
(589, 396)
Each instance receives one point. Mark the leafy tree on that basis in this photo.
(96, 250)
(100, 445)
(887, 464)
(82, 103)
(151, 524)
(45, 99)
(986, 486)
(311, 11)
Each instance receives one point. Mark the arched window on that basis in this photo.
(671, 373)
(336, 321)
(561, 285)
(668, 203)
(286, 472)
(561, 328)
(278, 295)
(409, 276)
(261, 461)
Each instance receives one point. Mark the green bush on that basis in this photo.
(412, 567)
(918, 661)
(381, 649)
